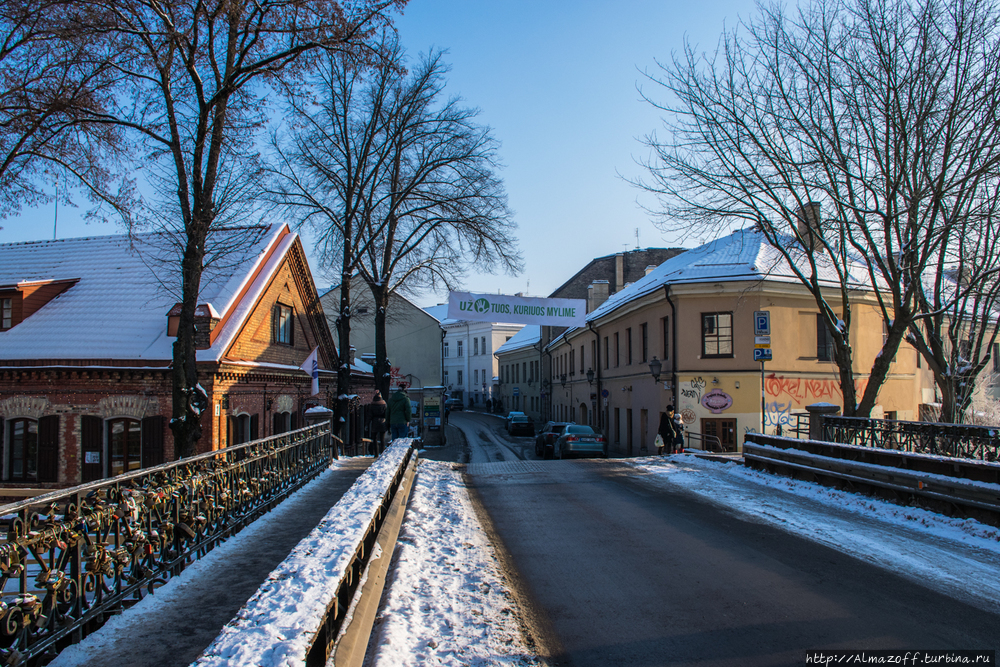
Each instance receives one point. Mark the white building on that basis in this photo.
(469, 369)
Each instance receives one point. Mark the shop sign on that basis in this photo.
(717, 401)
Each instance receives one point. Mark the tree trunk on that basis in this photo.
(382, 368)
(186, 421)
(344, 350)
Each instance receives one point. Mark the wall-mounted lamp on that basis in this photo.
(590, 376)
(715, 380)
(737, 383)
(655, 366)
(562, 380)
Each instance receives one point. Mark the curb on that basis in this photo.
(352, 645)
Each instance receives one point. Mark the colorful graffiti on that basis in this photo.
(801, 388)
(778, 413)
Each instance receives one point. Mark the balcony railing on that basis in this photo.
(955, 440)
(74, 557)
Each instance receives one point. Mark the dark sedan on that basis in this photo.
(545, 442)
(580, 440)
(520, 423)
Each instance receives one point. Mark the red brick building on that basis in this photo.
(86, 333)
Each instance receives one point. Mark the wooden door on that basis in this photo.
(723, 429)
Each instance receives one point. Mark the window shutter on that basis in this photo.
(276, 424)
(295, 421)
(254, 426)
(152, 441)
(92, 446)
(48, 449)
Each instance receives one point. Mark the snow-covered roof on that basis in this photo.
(529, 335)
(743, 255)
(125, 287)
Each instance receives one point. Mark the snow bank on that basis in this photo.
(275, 626)
(445, 602)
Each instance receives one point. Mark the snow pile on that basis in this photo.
(958, 557)
(445, 601)
(275, 626)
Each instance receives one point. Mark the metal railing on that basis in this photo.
(955, 440)
(713, 440)
(73, 557)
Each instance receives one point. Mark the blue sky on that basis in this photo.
(557, 83)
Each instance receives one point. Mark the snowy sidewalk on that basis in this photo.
(173, 626)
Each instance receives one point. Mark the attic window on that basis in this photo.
(283, 320)
(6, 313)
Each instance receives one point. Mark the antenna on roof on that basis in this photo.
(636, 238)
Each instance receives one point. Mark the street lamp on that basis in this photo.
(562, 380)
(655, 366)
(590, 376)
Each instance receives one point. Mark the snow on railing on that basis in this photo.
(294, 617)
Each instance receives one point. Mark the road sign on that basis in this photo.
(761, 354)
(762, 323)
(762, 342)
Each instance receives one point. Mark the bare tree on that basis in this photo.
(197, 77)
(54, 81)
(877, 113)
(404, 181)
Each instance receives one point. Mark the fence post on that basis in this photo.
(817, 411)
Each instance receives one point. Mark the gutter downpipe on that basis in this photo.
(673, 345)
(597, 373)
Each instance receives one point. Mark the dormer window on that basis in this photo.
(6, 314)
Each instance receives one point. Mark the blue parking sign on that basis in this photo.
(762, 323)
(761, 354)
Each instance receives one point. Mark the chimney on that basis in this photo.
(597, 293)
(619, 271)
(650, 269)
(809, 227)
(205, 320)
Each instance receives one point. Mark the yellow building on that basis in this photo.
(694, 315)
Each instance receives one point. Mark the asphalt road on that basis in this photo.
(617, 572)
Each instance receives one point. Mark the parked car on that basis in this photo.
(520, 423)
(580, 440)
(545, 442)
(506, 420)
(454, 404)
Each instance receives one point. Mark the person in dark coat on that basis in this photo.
(665, 430)
(678, 443)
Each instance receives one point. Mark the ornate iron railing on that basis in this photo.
(956, 440)
(73, 557)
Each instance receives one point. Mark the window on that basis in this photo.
(645, 342)
(475, 346)
(283, 320)
(666, 338)
(572, 362)
(618, 356)
(524, 370)
(22, 441)
(460, 352)
(628, 343)
(824, 340)
(607, 359)
(581, 360)
(446, 378)
(458, 375)
(124, 445)
(483, 346)
(6, 313)
(475, 376)
(717, 335)
(446, 350)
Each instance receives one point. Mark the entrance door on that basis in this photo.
(723, 429)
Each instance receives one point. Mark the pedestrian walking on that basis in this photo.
(376, 423)
(665, 431)
(399, 413)
(678, 442)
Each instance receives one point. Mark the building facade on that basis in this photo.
(692, 321)
(520, 375)
(85, 387)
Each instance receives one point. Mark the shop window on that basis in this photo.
(22, 450)
(124, 445)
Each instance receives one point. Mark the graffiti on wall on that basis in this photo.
(778, 413)
(690, 398)
(801, 388)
